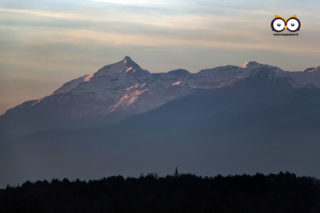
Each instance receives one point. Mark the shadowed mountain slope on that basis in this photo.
(256, 124)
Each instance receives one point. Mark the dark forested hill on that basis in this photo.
(279, 193)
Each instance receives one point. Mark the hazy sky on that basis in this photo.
(44, 43)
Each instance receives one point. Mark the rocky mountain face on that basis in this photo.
(123, 89)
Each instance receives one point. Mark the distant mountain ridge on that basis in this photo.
(123, 89)
(125, 120)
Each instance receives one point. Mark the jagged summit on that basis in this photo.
(127, 60)
(116, 72)
(125, 66)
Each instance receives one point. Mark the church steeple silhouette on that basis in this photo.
(176, 173)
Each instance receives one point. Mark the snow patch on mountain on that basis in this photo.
(88, 77)
(177, 83)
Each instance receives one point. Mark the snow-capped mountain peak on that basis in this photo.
(122, 89)
(126, 65)
(124, 69)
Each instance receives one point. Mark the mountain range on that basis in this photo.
(124, 119)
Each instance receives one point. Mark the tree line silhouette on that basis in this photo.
(283, 192)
